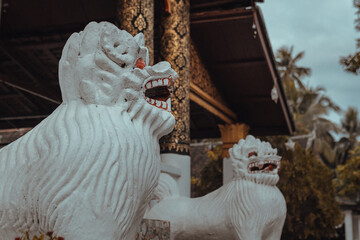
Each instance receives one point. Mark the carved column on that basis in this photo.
(174, 46)
(230, 135)
(137, 16)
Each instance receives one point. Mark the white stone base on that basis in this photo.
(181, 162)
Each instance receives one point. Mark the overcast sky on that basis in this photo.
(324, 29)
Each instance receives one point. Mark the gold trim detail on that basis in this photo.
(137, 16)
(174, 34)
(200, 77)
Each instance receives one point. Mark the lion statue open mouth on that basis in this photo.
(89, 169)
(250, 207)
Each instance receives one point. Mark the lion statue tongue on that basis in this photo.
(90, 168)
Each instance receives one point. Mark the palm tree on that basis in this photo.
(308, 105)
(351, 127)
(290, 73)
(312, 107)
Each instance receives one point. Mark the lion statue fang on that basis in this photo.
(89, 170)
(250, 207)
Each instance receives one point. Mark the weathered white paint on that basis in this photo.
(89, 170)
(183, 163)
(250, 207)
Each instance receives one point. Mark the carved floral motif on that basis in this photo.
(174, 31)
(201, 77)
(137, 16)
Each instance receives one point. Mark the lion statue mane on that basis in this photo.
(89, 169)
(250, 207)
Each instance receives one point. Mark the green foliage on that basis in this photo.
(306, 104)
(210, 176)
(351, 63)
(348, 177)
(351, 123)
(291, 73)
(312, 211)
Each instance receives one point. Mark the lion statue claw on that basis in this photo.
(250, 207)
(89, 169)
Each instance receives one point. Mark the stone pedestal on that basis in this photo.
(151, 229)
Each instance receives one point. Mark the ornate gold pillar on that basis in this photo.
(231, 134)
(137, 16)
(175, 48)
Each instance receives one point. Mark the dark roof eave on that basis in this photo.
(265, 41)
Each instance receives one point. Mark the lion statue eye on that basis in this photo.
(252, 154)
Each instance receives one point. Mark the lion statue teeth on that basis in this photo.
(89, 170)
(250, 207)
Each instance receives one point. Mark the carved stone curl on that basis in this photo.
(250, 207)
(90, 168)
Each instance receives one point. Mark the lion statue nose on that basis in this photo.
(140, 63)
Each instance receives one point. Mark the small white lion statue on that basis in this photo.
(250, 207)
(88, 171)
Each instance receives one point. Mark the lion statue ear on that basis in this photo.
(67, 68)
(144, 52)
(78, 45)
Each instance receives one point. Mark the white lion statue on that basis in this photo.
(90, 168)
(250, 207)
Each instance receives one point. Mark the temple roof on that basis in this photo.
(241, 66)
(234, 46)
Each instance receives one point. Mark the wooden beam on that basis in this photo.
(205, 133)
(9, 135)
(1, 10)
(258, 98)
(10, 118)
(220, 15)
(26, 99)
(40, 89)
(213, 3)
(41, 46)
(7, 96)
(210, 108)
(238, 64)
(36, 90)
(211, 101)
